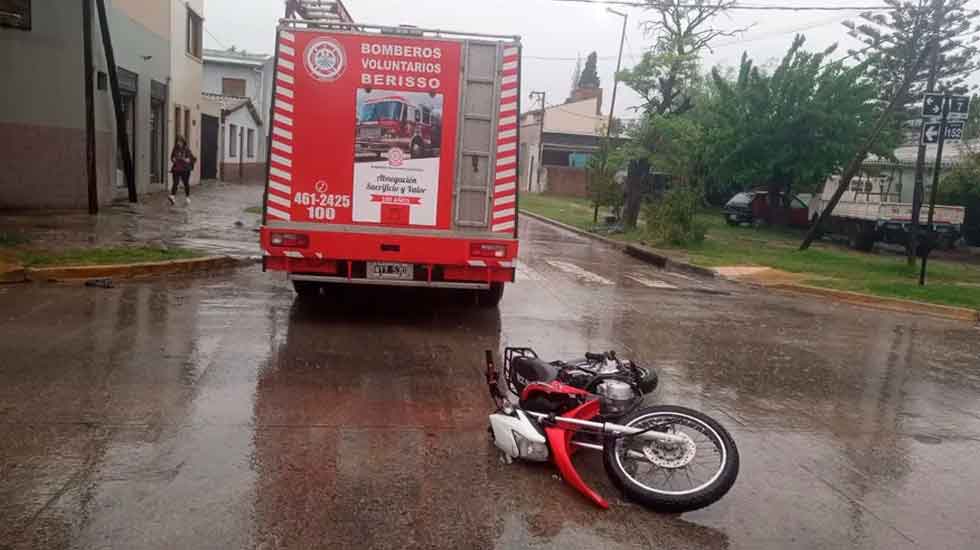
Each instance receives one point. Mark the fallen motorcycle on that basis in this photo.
(668, 458)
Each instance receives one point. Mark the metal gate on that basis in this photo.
(477, 145)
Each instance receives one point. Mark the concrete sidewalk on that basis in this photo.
(215, 223)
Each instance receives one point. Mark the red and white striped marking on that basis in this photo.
(505, 179)
(279, 196)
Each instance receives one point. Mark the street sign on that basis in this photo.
(959, 107)
(932, 105)
(930, 132)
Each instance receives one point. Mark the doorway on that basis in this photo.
(209, 147)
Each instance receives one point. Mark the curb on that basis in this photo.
(129, 271)
(878, 302)
(619, 245)
(639, 252)
(10, 274)
(658, 258)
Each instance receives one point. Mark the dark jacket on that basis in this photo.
(182, 159)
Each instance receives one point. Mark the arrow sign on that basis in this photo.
(932, 105)
(930, 132)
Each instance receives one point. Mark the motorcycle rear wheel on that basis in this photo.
(716, 461)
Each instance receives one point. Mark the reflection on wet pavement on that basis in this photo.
(222, 413)
(214, 223)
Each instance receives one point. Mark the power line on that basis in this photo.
(719, 45)
(668, 3)
(213, 37)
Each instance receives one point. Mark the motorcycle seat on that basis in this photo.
(533, 369)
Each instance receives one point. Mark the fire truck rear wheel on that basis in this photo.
(306, 289)
(491, 296)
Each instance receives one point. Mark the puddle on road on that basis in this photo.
(579, 272)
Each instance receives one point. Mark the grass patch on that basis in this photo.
(253, 210)
(573, 211)
(11, 238)
(824, 264)
(829, 266)
(102, 256)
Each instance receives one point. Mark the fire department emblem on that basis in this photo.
(395, 157)
(325, 59)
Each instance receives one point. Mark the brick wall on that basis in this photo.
(248, 171)
(566, 181)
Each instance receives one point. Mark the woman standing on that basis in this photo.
(182, 164)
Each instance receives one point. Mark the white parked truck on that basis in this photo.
(871, 211)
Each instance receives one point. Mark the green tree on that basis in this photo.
(962, 186)
(972, 128)
(669, 69)
(600, 171)
(941, 31)
(892, 39)
(792, 127)
(590, 74)
(668, 72)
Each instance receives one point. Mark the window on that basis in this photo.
(194, 26)
(178, 119)
(426, 115)
(233, 141)
(233, 86)
(15, 14)
(187, 126)
(251, 143)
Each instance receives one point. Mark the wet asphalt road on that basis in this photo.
(223, 413)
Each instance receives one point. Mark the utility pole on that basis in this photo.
(920, 159)
(935, 186)
(89, 67)
(122, 136)
(543, 97)
(619, 63)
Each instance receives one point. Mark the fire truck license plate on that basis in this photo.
(385, 270)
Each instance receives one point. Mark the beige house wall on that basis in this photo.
(152, 14)
(575, 118)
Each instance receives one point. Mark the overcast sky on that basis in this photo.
(553, 33)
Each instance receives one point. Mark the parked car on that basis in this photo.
(755, 206)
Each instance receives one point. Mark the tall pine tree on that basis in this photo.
(590, 76)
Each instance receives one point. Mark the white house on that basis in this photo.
(240, 83)
(239, 139)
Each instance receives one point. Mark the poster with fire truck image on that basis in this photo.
(397, 149)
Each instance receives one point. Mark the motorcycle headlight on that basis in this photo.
(530, 450)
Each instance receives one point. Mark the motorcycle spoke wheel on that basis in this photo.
(699, 472)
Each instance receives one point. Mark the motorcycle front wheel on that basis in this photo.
(672, 477)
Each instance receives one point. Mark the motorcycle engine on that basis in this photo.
(616, 398)
(576, 377)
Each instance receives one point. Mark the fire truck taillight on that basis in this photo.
(289, 240)
(488, 250)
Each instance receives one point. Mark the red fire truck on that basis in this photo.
(392, 157)
(393, 121)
